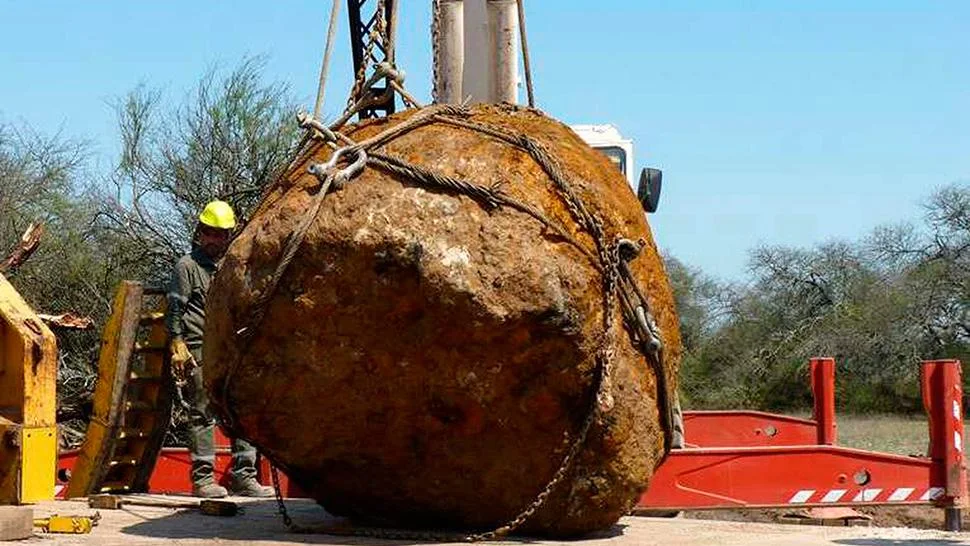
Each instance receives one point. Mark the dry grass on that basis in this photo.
(898, 434)
(902, 435)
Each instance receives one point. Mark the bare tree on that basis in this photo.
(229, 140)
(703, 303)
(37, 177)
(935, 262)
(41, 183)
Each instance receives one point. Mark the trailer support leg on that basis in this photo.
(953, 519)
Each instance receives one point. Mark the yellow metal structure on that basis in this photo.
(132, 404)
(28, 402)
(38, 464)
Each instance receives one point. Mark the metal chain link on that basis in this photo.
(610, 282)
(280, 505)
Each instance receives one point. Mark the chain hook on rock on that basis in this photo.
(324, 170)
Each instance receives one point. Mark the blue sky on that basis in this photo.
(774, 122)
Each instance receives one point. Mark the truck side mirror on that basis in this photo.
(648, 191)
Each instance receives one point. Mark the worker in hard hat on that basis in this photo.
(185, 320)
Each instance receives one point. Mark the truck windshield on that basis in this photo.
(616, 156)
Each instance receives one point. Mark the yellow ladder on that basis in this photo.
(132, 398)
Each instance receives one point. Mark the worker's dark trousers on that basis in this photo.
(202, 428)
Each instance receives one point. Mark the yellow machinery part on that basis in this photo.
(65, 524)
(117, 343)
(28, 402)
(37, 464)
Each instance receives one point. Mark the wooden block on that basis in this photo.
(105, 502)
(16, 522)
(218, 508)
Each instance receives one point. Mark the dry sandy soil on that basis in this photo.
(917, 517)
(259, 524)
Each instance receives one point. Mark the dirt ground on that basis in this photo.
(916, 517)
(260, 524)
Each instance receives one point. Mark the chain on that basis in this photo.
(435, 536)
(382, 533)
(560, 474)
(610, 282)
(381, 23)
(435, 48)
(280, 505)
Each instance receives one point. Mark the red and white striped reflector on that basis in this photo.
(899, 494)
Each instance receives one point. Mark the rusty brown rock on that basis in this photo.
(427, 362)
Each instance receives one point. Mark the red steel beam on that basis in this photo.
(822, 372)
(786, 476)
(751, 474)
(941, 386)
(172, 469)
(745, 428)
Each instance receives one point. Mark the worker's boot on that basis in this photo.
(250, 487)
(244, 481)
(209, 490)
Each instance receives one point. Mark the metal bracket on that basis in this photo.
(324, 170)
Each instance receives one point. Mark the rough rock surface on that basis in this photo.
(427, 362)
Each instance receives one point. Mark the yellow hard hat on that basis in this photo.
(219, 215)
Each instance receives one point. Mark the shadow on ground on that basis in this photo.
(259, 521)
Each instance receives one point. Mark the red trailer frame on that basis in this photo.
(174, 465)
(751, 459)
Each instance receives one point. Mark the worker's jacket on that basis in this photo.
(185, 317)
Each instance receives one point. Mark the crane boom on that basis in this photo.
(373, 24)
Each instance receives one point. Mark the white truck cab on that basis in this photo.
(608, 140)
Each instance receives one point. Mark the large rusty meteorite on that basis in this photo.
(426, 360)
